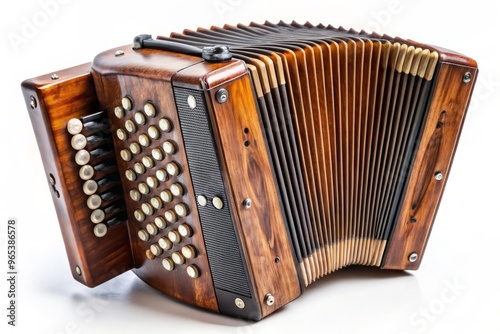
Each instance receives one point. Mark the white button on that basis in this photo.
(185, 230)
(130, 126)
(150, 109)
(177, 189)
(147, 209)
(202, 200)
(170, 216)
(144, 140)
(160, 222)
(157, 154)
(148, 162)
(100, 230)
(127, 103)
(143, 235)
(152, 229)
(165, 243)
(165, 125)
(174, 236)
(168, 264)
(135, 148)
(90, 187)
(78, 141)
(191, 101)
(143, 188)
(139, 168)
(181, 209)
(119, 112)
(130, 175)
(169, 147)
(74, 126)
(97, 216)
(173, 168)
(139, 215)
(161, 174)
(178, 258)
(193, 271)
(156, 250)
(189, 252)
(166, 196)
(82, 157)
(94, 201)
(121, 134)
(152, 181)
(156, 202)
(86, 172)
(135, 194)
(217, 202)
(126, 154)
(153, 132)
(140, 118)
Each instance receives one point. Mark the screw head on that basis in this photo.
(222, 95)
(467, 77)
(54, 76)
(119, 53)
(247, 203)
(438, 176)
(33, 103)
(239, 303)
(269, 299)
(78, 271)
(413, 257)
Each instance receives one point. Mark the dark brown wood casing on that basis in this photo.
(52, 102)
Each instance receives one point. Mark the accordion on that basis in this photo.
(232, 167)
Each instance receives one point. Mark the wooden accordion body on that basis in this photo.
(233, 185)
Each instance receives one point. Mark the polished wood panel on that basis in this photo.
(72, 95)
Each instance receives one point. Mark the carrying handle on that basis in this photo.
(216, 53)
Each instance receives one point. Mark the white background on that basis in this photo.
(455, 289)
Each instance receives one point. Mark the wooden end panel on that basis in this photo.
(51, 103)
(249, 175)
(448, 106)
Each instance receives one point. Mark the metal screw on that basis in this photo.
(119, 53)
(222, 95)
(413, 257)
(413, 220)
(269, 299)
(54, 76)
(247, 203)
(438, 176)
(239, 303)
(78, 270)
(33, 103)
(467, 77)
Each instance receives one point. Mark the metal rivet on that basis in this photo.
(239, 303)
(191, 100)
(54, 76)
(222, 95)
(52, 180)
(119, 53)
(467, 77)
(269, 299)
(33, 103)
(78, 271)
(438, 176)
(247, 203)
(413, 257)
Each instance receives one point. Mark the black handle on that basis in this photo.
(216, 53)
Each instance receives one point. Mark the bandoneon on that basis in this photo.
(232, 167)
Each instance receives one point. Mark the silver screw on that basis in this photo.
(33, 103)
(438, 176)
(54, 76)
(222, 95)
(413, 257)
(239, 303)
(467, 77)
(78, 270)
(119, 53)
(247, 203)
(269, 299)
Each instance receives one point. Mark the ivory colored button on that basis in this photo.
(169, 147)
(150, 109)
(160, 222)
(121, 134)
(130, 126)
(165, 125)
(139, 215)
(74, 126)
(176, 189)
(171, 216)
(153, 132)
(174, 236)
(143, 235)
(78, 141)
(173, 169)
(165, 243)
(156, 202)
(166, 196)
(181, 209)
(82, 157)
(156, 249)
(97, 216)
(130, 175)
(86, 172)
(217, 202)
(178, 258)
(94, 201)
(189, 252)
(144, 140)
(168, 264)
(135, 148)
(161, 174)
(100, 230)
(185, 230)
(140, 118)
(127, 103)
(193, 271)
(152, 229)
(135, 195)
(139, 168)
(90, 187)
(119, 112)
(147, 209)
